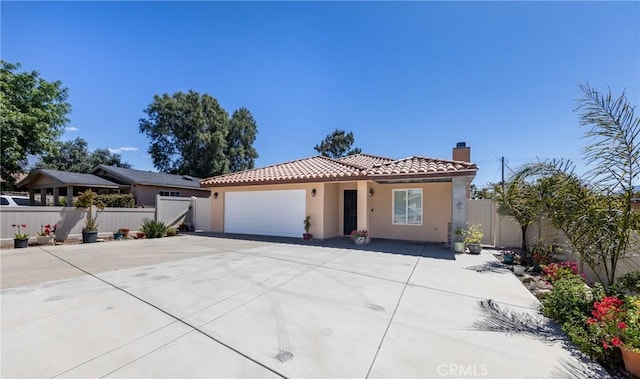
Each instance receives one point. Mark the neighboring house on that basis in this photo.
(145, 185)
(104, 179)
(62, 183)
(414, 198)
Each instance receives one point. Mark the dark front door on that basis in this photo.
(350, 211)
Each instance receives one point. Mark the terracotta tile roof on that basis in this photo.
(365, 160)
(420, 165)
(313, 168)
(353, 167)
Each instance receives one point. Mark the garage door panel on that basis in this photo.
(271, 213)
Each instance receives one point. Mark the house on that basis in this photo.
(104, 179)
(415, 198)
(145, 185)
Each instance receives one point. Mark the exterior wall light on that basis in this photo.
(215, 195)
(370, 192)
(313, 192)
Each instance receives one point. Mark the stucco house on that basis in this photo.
(145, 185)
(103, 179)
(414, 198)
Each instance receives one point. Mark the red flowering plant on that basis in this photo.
(45, 230)
(359, 233)
(616, 322)
(19, 235)
(557, 271)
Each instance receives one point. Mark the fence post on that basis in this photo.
(158, 205)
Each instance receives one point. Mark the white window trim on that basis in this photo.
(393, 208)
(169, 193)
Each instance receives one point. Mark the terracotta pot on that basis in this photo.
(631, 361)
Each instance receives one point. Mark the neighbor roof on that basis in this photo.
(355, 167)
(131, 176)
(69, 178)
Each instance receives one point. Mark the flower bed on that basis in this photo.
(599, 321)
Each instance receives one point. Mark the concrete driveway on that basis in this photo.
(206, 306)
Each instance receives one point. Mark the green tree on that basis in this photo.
(188, 134)
(337, 145)
(595, 212)
(485, 192)
(242, 134)
(74, 156)
(519, 199)
(32, 117)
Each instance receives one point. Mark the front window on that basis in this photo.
(170, 193)
(407, 207)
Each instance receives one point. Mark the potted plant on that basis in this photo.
(20, 240)
(472, 238)
(45, 235)
(117, 235)
(307, 225)
(360, 236)
(616, 323)
(508, 256)
(125, 232)
(458, 243)
(172, 232)
(88, 200)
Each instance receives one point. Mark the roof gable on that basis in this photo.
(420, 165)
(365, 160)
(354, 167)
(307, 169)
(68, 178)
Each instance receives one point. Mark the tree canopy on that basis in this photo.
(192, 134)
(337, 145)
(595, 212)
(32, 117)
(74, 156)
(242, 133)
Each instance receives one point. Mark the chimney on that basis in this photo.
(461, 152)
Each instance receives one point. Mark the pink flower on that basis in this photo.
(606, 345)
(591, 321)
(615, 341)
(622, 325)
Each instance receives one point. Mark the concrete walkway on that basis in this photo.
(206, 306)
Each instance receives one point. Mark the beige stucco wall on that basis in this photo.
(146, 195)
(436, 212)
(327, 207)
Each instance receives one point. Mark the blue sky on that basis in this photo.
(408, 78)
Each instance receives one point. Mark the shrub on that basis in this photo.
(118, 201)
(153, 229)
(630, 282)
(584, 338)
(172, 231)
(557, 271)
(569, 301)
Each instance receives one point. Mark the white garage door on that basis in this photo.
(268, 213)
